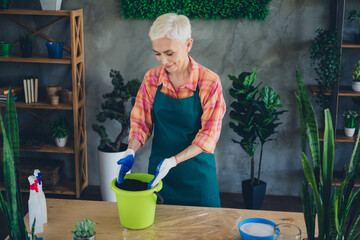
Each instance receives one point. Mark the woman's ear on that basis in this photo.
(189, 44)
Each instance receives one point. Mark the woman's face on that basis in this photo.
(172, 54)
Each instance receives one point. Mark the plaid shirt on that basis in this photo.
(211, 97)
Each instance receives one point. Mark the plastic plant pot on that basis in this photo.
(55, 49)
(5, 49)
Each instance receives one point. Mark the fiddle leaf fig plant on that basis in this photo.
(84, 229)
(114, 107)
(255, 116)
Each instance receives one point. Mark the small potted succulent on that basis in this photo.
(60, 130)
(351, 117)
(356, 78)
(355, 16)
(26, 43)
(84, 230)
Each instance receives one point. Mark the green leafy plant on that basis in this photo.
(255, 115)
(84, 229)
(59, 128)
(115, 108)
(351, 117)
(356, 72)
(25, 40)
(355, 16)
(337, 210)
(12, 206)
(325, 55)
(207, 9)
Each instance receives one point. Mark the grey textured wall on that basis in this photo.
(227, 47)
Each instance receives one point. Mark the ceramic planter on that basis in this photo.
(253, 195)
(61, 142)
(355, 86)
(86, 238)
(55, 50)
(5, 49)
(349, 132)
(52, 5)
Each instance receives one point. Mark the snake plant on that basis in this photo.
(337, 209)
(11, 206)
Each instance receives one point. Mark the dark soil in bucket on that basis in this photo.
(132, 185)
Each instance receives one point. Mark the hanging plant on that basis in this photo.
(325, 57)
(206, 9)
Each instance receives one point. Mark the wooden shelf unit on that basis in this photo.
(75, 58)
(344, 91)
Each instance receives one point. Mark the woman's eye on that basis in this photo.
(170, 54)
(157, 54)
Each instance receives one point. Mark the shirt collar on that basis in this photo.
(193, 78)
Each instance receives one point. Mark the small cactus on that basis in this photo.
(85, 228)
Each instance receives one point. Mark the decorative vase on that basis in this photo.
(61, 142)
(349, 132)
(54, 100)
(5, 49)
(355, 86)
(52, 5)
(55, 50)
(253, 195)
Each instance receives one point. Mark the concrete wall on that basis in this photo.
(227, 47)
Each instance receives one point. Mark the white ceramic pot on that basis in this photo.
(51, 4)
(356, 86)
(349, 132)
(61, 142)
(108, 170)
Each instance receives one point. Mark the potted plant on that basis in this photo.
(351, 117)
(60, 130)
(4, 4)
(11, 205)
(355, 16)
(84, 230)
(26, 42)
(356, 78)
(255, 117)
(336, 210)
(52, 5)
(115, 107)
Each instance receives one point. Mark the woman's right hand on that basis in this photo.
(125, 164)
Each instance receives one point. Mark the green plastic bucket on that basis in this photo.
(136, 208)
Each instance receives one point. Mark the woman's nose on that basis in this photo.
(164, 61)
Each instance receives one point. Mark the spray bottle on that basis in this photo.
(42, 198)
(34, 205)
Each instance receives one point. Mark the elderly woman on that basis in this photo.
(182, 102)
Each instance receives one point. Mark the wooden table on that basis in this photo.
(171, 222)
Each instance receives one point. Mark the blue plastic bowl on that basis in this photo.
(55, 49)
(246, 236)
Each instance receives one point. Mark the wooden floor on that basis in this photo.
(228, 200)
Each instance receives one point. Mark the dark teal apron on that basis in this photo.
(176, 123)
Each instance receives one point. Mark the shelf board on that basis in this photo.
(344, 91)
(350, 45)
(66, 187)
(52, 148)
(37, 59)
(40, 105)
(338, 178)
(340, 136)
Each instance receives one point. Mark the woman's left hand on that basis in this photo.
(162, 170)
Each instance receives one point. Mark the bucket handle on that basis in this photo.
(160, 199)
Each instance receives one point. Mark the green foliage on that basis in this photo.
(356, 72)
(60, 128)
(355, 16)
(254, 114)
(114, 108)
(325, 55)
(25, 40)
(206, 9)
(337, 209)
(11, 207)
(351, 117)
(85, 228)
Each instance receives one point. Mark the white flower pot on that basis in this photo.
(356, 86)
(349, 132)
(107, 172)
(51, 4)
(61, 142)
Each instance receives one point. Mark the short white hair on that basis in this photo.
(174, 26)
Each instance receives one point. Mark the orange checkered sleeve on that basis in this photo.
(211, 97)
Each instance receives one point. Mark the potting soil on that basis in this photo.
(132, 185)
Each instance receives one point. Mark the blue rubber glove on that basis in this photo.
(162, 170)
(125, 164)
